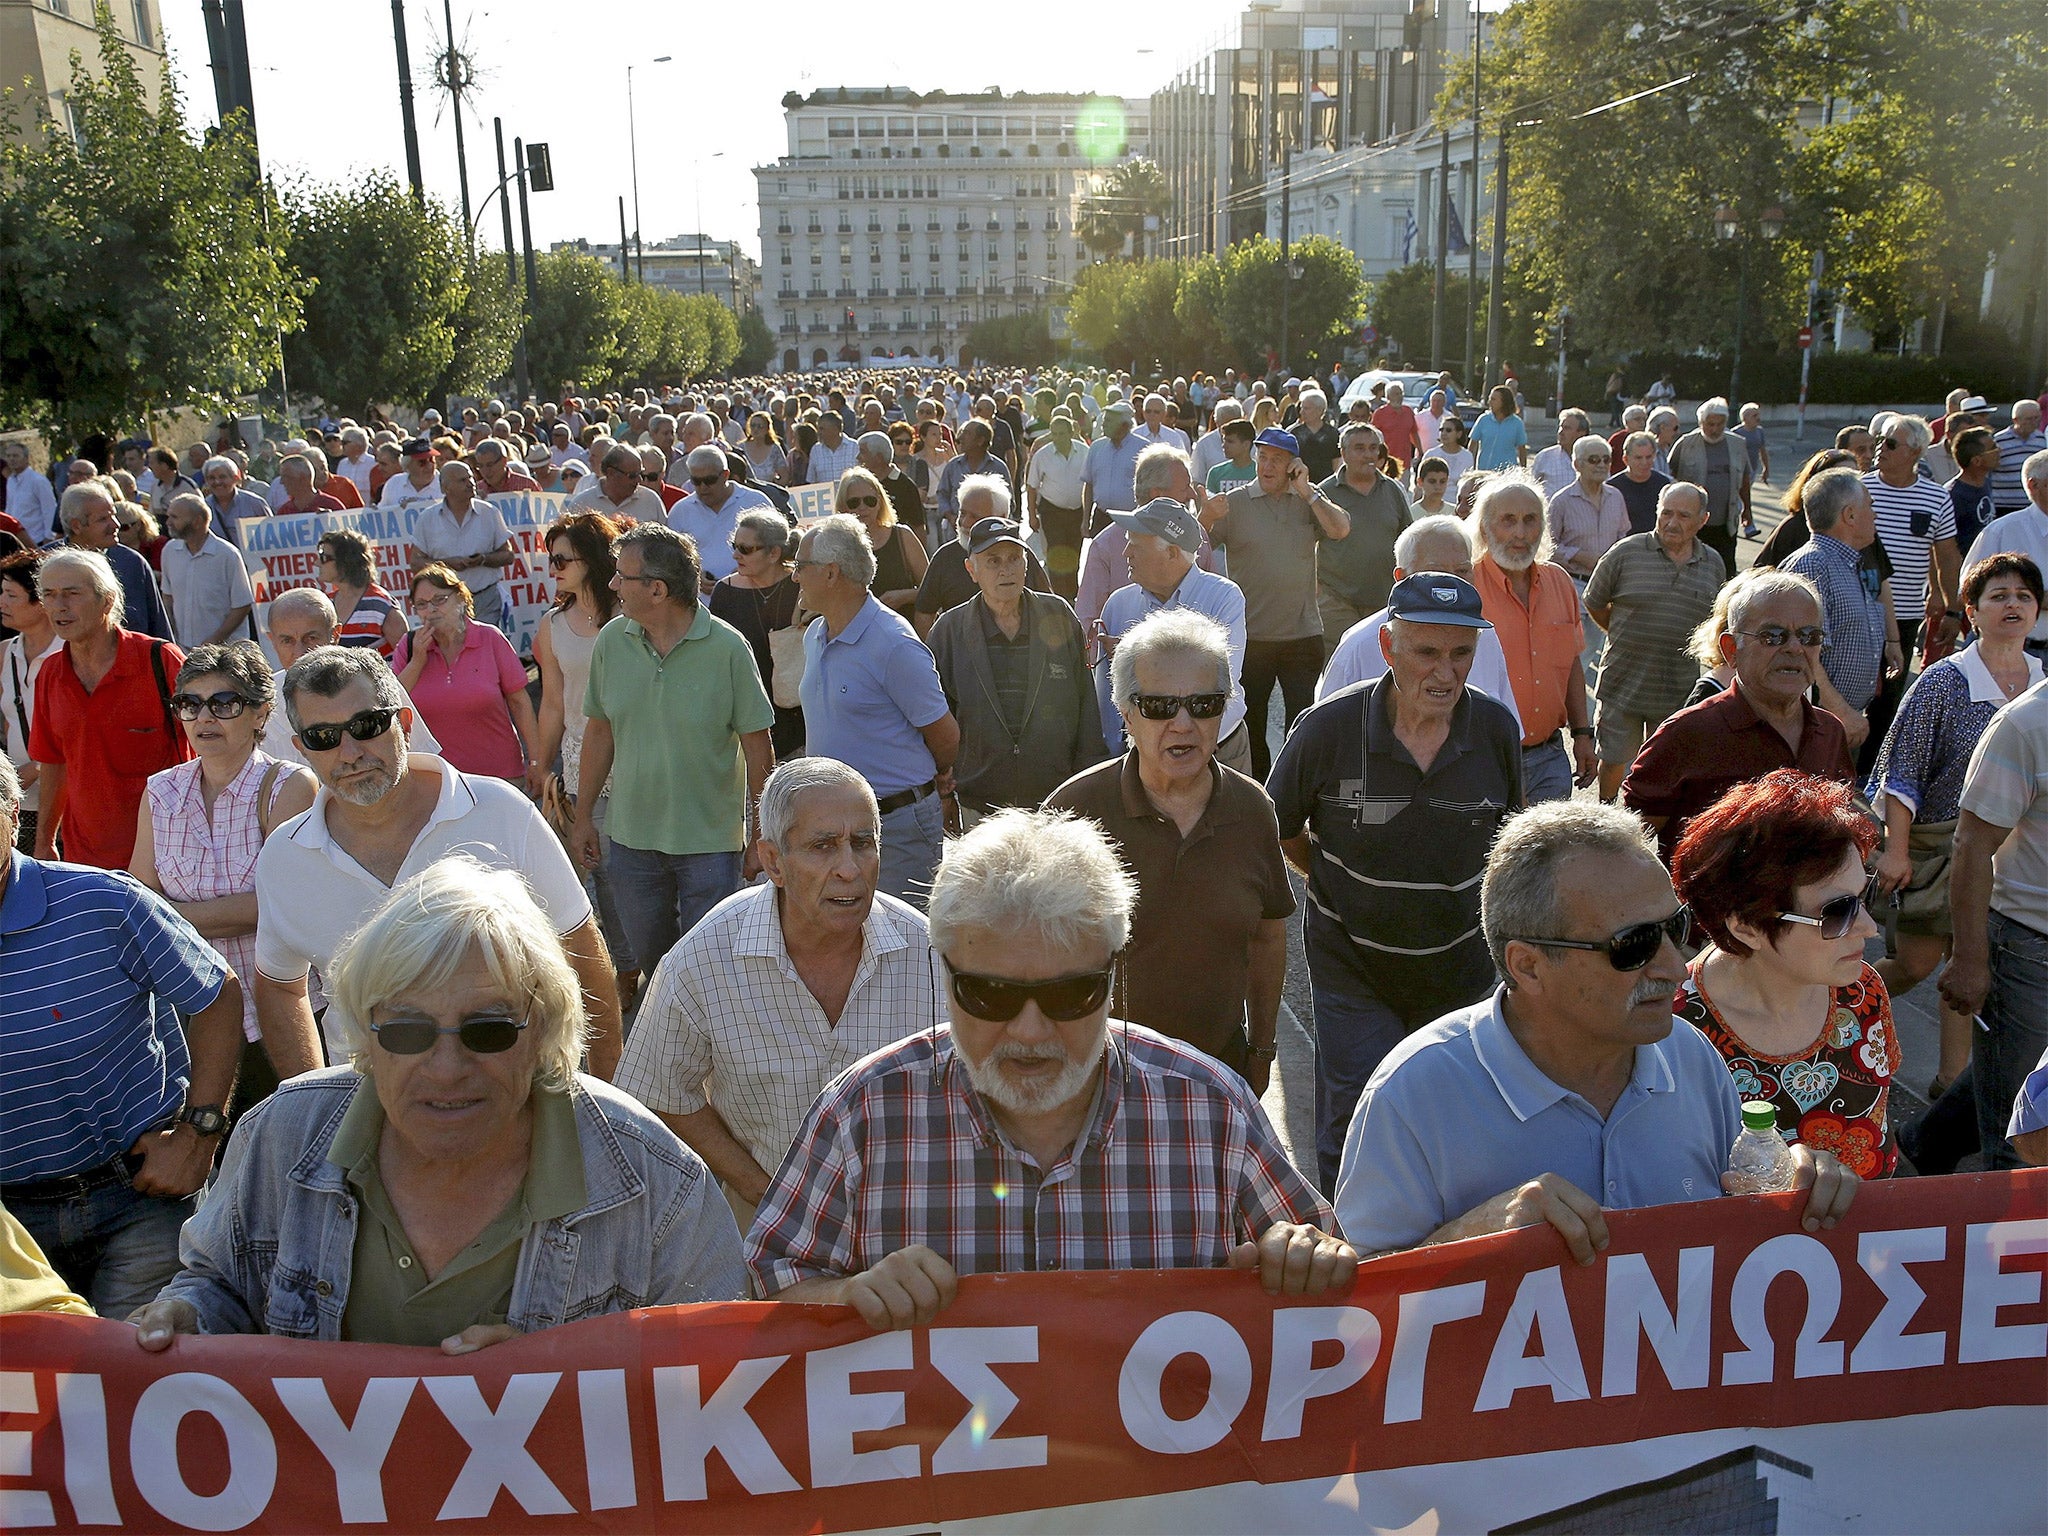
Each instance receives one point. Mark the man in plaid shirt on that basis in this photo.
(1031, 1134)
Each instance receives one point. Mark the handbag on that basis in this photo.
(786, 658)
(1932, 849)
(557, 806)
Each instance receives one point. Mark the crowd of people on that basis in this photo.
(833, 906)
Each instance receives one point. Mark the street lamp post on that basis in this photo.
(1770, 224)
(633, 147)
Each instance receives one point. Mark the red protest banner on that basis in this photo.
(1889, 1373)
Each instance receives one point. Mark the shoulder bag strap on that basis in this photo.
(163, 688)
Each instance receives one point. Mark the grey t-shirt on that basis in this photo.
(1359, 568)
(1272, 542)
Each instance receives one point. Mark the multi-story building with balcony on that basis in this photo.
(898, 219)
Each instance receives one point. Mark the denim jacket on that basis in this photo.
(273, 1243)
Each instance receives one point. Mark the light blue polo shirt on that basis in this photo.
(1458, 1113)
(1111, 471)
(867, 694)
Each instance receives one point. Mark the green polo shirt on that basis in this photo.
(390, 1298)
(679, 779)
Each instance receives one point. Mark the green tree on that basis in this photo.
(1402, 305)
(1324, 303)
(1023, 340)
(1113, 216)
(397, 310)
(756, 343)
(1095, 309)
(574, 334)
(140, 268)
(1198, 331)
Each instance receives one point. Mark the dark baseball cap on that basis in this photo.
(991, 531)
(1433, 597)
(1275, 437)
(1165, 518)
(416, 447)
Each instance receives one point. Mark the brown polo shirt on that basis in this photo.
(1200, 898)
(1701, 753)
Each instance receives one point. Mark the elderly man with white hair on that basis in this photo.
(784, 985)
(427, 1192)
(1154, 428)
(1209, 451)
(299, 620)
(947, 582)
(86, 513)
(894, 1188)
(222, 477)
(1556, 466)
(2024, 532)
(468, 536)
(2023, 437)
(711, 512)
(1442, 544)
(1534, 605)
(878, 457)
(617, 490)
(356, 461)
(1663, 426)
(1717, 461)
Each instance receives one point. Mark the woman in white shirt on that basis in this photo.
(21, 662)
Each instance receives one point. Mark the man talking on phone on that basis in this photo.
(1270, 526)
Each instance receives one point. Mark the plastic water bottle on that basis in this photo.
(1759, 1163)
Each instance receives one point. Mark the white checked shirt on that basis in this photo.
(728, 1022)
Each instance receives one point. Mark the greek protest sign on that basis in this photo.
(1717, 1364)
(810, 502)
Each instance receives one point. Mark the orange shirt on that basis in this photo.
(1542, 640)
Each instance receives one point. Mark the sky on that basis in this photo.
(325, 78)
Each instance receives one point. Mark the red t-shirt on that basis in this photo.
(109, 742)
(343, 491)
(670, 494)
(1398, 426)
(322, 502)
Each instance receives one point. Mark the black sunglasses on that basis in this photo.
(706, 479)
(366, 725)
(1634, 946)
(485, 1035)
(222, 706)
(1776, 636)
(1164, 706)
(650, 477)
(563, 562)
(1837, 916)
(1062, 999)
(863, 501)
(743, 550)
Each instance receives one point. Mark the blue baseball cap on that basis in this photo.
(1275, 437)
(1435, 597)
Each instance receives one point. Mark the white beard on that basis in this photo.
(1035, 1097)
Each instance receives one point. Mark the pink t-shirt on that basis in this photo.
(465, 703)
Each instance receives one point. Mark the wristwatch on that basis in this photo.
(206, 1119)
(1581, 730)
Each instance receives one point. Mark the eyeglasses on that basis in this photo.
(650, 477)
(1164, 706)
(1837, 916)
(1777, 636)
(326, 557)
(863, 501)
(365, 725)
(1634, 946)
(743, 550)
(222, 706)
(563, 562)
(1887, 442)
(485, 1035)
(704, 480)
(1062, 999)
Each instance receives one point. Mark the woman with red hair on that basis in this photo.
(1773, 871)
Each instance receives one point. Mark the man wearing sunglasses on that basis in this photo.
(618, 491)
(1032, 1134)
(1387, 796)
(711, 512)
(383, 813)
(1569, 1091)
(1761, 721)
(301, 620)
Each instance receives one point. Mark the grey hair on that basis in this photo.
(621, 456)
(1047, 872)
(326, 672)
(1576, 417)
(1442, 526)
(1586, 447)
(1764, 585)
(316, 456)
(997, 487)
(1636, 415)
(667, 557)
(706, 458)
(1160, 399)
(876, 442)
(72, 504)
(770, 526)
(240, 662)
(1636, 440)
(424, 932)
(1828, 495)
(2035, 470)
(293, 599)
(191, 500)
(219, 461)
(1713, 405)
(10, 789)
(358, 435)
(1168, 632)
(97, 569)
(700, 421)
(661, 419)
(295, 461)
(841, 540)
(1518, 898)
(1918, 435)
(1318, 396)
(1679, 488)
(1505, 482)
(1357, 429)
(1152, 472)
(1234, 407)
(790, 779)
(1663, 416)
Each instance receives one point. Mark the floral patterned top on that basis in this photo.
(1833, 1094)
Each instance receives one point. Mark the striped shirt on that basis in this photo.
(1175, 1165)
(364, 625)
(2008, 481)
(90, 1060)
(1648, 667)
(1910, 518)
(729, 1023)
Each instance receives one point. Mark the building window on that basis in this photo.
(845, 253)
(142, 33)
(874, 250)
(785, 255)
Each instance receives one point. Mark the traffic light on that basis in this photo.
(849, 319)
(540, 168)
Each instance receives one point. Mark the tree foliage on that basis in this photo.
(140, 269)
(396, 309)
(756, 343)
(1402, 309)
(590, 330)
(1113, 217)
(1024, 340)
(1324, 306)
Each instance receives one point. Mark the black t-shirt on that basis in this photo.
(1318, 449)
(1640, 497)
(947, 585)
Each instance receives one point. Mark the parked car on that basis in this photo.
(1415, 388)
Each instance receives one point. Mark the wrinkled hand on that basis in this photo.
(1576, 1214)
(1297, 479)
(1966, 983)
(1829, 1187)
(1297, 1260)
(1894, 867)
(906, 1290)
(175, 1161)
(479, 1336)
(158, 1322)
(584, 844)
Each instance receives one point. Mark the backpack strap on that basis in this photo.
(163, 688)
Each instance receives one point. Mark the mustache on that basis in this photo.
(1648, 990)
(1017, 1050)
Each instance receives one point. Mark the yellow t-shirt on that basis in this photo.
(27, 1282)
